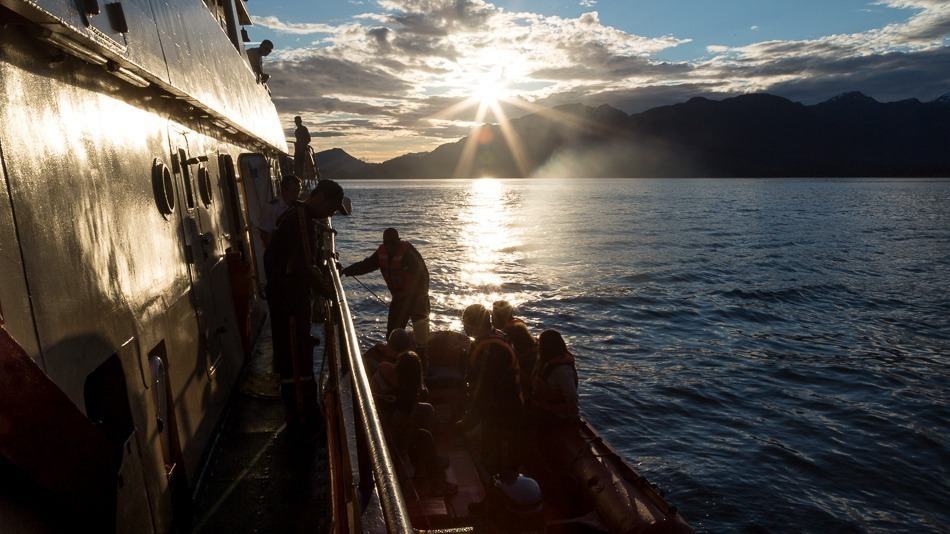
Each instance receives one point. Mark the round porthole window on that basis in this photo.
(204, 186)
(163, 187)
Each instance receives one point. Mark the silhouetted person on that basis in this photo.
(304, 165)
(503, 316)
(554, 381)
(526, 349)
(289, 194)
(399, 342)
(255, 57)
(292, 281)
(408, 425)
(407, 278)
(496, 404)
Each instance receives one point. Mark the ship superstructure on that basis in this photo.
(136, 145)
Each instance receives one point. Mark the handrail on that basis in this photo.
(395, 514)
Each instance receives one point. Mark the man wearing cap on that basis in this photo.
(293, 278)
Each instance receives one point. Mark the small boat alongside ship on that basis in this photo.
(583, 484)
(136, 151)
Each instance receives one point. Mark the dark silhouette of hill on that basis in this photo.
(755, 135)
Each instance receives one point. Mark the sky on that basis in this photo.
(381, 78)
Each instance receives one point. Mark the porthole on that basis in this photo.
(163, 188)
(204, 186)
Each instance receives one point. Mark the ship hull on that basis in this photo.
(128, 310)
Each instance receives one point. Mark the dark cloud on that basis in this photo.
(320, 104)
(314, 73)
(886, 77)
(613, 68)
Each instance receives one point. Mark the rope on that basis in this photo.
(380, 299)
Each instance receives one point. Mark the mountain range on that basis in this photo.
(754, 135)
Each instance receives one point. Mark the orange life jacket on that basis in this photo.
(544, 398)
(496, 338)
(397, 278)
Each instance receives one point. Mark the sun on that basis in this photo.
(489, 91)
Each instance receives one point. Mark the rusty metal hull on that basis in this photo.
(126, 309)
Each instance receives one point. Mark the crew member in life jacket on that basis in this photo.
(554, 382)
(496, 401)
(293, 278)
(407, 278)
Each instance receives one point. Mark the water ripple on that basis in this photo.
(773, 353)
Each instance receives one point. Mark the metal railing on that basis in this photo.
(391, 500)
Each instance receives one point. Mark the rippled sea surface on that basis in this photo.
(773, 353)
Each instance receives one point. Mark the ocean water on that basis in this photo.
(773, 353)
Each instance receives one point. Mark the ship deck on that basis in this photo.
(259, 476)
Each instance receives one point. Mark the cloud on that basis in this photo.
(275, 24)
(384, 78)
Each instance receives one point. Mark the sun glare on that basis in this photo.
(489, 92)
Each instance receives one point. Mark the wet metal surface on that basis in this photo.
(181, 48)
(263, 477)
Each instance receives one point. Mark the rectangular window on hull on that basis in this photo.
(186, 176)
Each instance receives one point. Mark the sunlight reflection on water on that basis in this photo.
(741, 340)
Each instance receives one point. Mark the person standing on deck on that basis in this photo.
(292, 280)
(304, 166)
(407, 278)
(289, 194)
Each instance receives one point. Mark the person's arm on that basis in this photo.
(368, 265)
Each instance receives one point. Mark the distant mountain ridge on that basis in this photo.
(754, 135)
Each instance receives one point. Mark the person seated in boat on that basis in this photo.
(477, 325)
(408, 426)
(554, 382)
(384, 382)
(399, 341)
(503, 316)
(526, 349)
(496, 401)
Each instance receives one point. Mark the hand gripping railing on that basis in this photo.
(391, 500)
